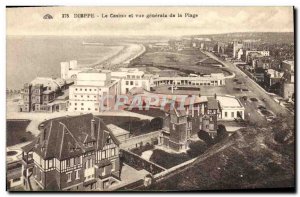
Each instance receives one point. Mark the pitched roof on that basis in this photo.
(67, 137)
(212, 103)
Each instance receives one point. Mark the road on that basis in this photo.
(257, 91)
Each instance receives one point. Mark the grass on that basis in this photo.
(153, 112)
(16, 132)
(185, 61)
(134, 125)
(142, 149)
(168, 160)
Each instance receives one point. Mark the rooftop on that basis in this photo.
(70, 136)
(117, 131)
(229, 102)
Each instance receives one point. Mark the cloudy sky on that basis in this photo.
(210, 20)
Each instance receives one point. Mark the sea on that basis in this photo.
(28, 57)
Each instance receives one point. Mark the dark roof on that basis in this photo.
(67, 137)
(212, 103)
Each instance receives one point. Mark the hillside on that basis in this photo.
(250, 158)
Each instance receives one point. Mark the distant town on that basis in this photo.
(132, 126)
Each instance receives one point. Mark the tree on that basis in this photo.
(221, 133)
(156, 123)
(203, 135)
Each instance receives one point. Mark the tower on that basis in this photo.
(179, 130)
(64, 69)
(27, 97)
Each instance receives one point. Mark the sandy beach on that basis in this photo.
(122, 58)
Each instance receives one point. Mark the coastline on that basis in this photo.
(122, 58)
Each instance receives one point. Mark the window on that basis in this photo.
(225, 114)
(76, 89)
(232, 114)
(136, 83)
(113, 151)
(68, 162)
(82, 104)
(50, 164)
(90, 89)
(127, 82)
(103, 171)
(69, 175)
(89, 109)
(82, 108)
(85, 89)
(80, 89)
(108, 141)
(103, 154)
(77, 160)
(77, 174)
(75, 108)
(131, 82)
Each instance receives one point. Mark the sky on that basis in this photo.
(209, 20)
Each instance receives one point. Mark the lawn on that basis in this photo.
(134, 125)
(153, 112)
(16, 132)
(184, 61)
(168, 160)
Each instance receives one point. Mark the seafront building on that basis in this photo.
(93, 91)
(132, 78)
(214, 79)
(44, 94)
(72, 153)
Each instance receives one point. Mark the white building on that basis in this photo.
(93, 91)
(132, 78)
(231, 108)
(214, 79)
(128, 77)
(262, 53)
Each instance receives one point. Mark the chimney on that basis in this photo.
(43, 131)
(93, 128)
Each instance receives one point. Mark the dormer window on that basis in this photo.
(108, 140)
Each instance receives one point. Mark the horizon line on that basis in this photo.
(162, 35)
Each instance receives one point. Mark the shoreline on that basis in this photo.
(122, 58)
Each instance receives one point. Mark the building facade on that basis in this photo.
(230, 108)
(132, 78)
(181, 124)
(40, 95)
(93, 91)
(214, 79)
(72, 153)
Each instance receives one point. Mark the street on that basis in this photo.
(254, 88)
